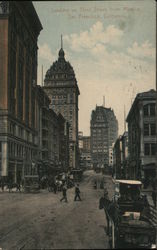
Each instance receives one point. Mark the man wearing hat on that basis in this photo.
(77, 193)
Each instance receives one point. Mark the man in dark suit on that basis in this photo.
(77, 193)
(64, 190)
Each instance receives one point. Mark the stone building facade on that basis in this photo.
(104, 132)
(85, 151)
(53, 137)
(142, 136)
(117, 152)
(19, 30)
(80, 139)
(61, 86)
(86, 143)
(125, 155)
(63, 127)
(120, 157)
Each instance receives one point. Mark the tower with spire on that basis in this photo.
(60, 84)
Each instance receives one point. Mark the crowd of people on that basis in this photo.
(50, 184)
(55, 184)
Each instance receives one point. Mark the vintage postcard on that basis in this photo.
(78, 124)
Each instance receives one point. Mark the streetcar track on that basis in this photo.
(53, 222)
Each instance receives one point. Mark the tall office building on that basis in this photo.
(104, 131)
(60, 84)
(19, 30)
(142, 136)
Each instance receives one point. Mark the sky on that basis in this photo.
(111, 46)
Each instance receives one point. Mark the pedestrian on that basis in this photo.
(2, 185)
(101, 184)
(154, 197)
(23, 184)
(95, 184)
(55, 187)
(104, 201)
(64, 190)
(10, 186)
(77, 193)
(18, 187)
(60, 185)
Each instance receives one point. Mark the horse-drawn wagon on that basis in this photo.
(128, 223)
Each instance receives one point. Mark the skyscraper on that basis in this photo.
(104, 131)
(19, 30)
(60, 84)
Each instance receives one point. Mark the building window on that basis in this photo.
(152, 109)
(17, 150)
(11, 148)
(149, 109)
(27, 136)
(145, 110)
(153, 149)
(146, 129)
(146, 149)
(20, 132)
(152, 129)
(150, 149)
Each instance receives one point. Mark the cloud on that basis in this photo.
(45, 52)
(96, 34)
(106, 68)
(119, 89)
(116, 74)
(141, 51)
(120, 65)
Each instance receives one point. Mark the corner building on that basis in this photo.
(142, 137)
(61, 87)
(19, 30)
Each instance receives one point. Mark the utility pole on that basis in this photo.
(124, 119)
(42, 75)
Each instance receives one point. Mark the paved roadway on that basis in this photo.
(41, 221)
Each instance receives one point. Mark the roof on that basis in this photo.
(60, 67)
(149, 95)
(130, 182)
(61, 72)
(28, 10)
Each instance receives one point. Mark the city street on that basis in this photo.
(78, 92)
(41, 221)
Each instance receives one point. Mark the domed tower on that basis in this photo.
(60, 84)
